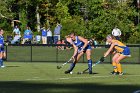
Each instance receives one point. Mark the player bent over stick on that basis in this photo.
(121, 52)
(80, 46)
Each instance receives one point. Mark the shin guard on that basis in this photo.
(90, 66)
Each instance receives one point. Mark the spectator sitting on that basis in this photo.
(17, 35)
(9, 38)
(16, 31)
(93, 42)
(60, 42)
(16, 39)
(37, 39)
(27, 36)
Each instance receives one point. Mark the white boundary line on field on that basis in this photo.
(85, 77)
(106, 76)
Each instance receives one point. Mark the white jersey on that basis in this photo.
(49, 33)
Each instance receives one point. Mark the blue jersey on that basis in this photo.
(80, 44)
(44, 32)
(1, 43)
(28, 34)
(1, 40)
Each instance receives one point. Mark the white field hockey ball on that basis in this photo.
(71, 72)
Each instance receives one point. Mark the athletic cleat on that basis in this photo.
(121, 73)
(2, 66)
(114, 73)
(67, 72)
(90, 72)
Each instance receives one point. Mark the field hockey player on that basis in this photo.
(80, 46)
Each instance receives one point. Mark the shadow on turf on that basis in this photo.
(29, 87)
(12, 66)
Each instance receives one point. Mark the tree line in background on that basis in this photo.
(88, 18)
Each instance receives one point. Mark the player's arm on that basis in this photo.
(75, 51)
(85, 42)
(113, 51)
(109, 50)
(74, 46)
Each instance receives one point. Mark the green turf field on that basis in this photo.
(27, 77)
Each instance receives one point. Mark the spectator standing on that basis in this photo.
(49, 36)
(116, 33)
(16, 39)
(57, 32)
(44, 35)
(27, 35)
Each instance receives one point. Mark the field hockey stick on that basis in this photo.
(99, 61)
(58, 67)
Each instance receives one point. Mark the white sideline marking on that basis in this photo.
(64, 78)
(85, 77)
(35, 79)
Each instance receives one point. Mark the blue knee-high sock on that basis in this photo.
(90, 65)
(72, 66)
(1, 62)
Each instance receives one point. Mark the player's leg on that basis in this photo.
(4, 55)
(45, 40)
(88, 54)
(1, 56)
(119, 67)
(23, 41)
(42, 40)
(114, 63)
(74, 62)
(1, 60)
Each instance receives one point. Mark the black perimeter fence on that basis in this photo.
(51, 53)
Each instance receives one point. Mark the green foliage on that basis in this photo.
(88, 18)
(74, 24)
(62, 11)
(108, 15)
(4, 24)
(5, 11)
(135, 35)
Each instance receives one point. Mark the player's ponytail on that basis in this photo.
(110, 37)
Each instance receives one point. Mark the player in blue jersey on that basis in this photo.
(2, 52)
(80, 46)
